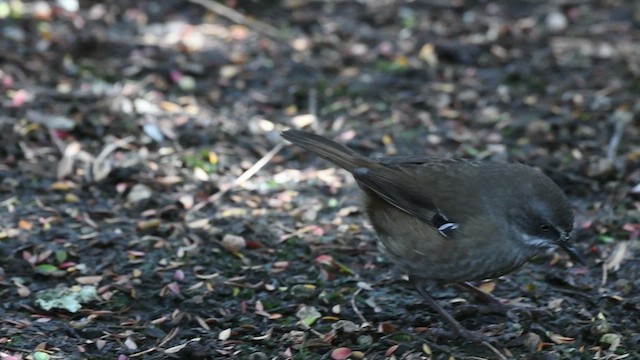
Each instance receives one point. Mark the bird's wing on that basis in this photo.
(424, 187)
(395, 186)
(408, 160)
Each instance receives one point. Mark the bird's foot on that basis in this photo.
(463, 334)
(498, 308)
(477, 337)
(495, 305)
(473, 336)
(531, 310)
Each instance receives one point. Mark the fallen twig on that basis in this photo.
(239, 180)
(495, 351)
(239, 18)
(621, 118)
(355, 307)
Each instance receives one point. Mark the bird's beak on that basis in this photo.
(571, 250)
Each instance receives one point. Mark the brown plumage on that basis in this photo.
(453, 221)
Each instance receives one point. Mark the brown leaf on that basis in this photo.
(559, 339)
(391, 350)
(25, 225)
(386, 328)
(148, 224)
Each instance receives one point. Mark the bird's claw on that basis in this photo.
(469, 310)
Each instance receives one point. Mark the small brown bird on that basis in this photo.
(454, 220)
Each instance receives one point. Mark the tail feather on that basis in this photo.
(328, 149)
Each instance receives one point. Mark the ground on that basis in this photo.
(140, 161)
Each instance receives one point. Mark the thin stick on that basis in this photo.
(621, 119)
(355, 307)
(313, 102)
(493, 348)
(239, 18)
(240, 179)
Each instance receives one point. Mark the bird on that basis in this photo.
(454, 220)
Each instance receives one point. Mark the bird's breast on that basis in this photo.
(419, 249)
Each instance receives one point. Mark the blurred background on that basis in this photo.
(140, 158)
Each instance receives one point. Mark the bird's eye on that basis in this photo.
(545, 227)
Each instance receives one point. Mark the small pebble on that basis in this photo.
(556, 21)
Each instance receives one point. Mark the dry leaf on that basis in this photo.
(617, 256)
(24, 291)
(341, 353)
(88, 280)
(559, 339)
(175, 349)
(130, 344)
(301, 121)
(100, 343)
(487, 286)
(233, 243)
(224, 334)
(202, 323)
(555, 304)
(386, 328)
(391, 350)
(25, 225)
(148, 224)
(265, 336)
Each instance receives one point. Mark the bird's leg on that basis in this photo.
(483, 296)
(460, 330)
(494, 304)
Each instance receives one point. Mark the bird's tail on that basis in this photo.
(328, 149)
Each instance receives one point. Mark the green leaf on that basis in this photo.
(39, 355)
(46, 268)
(606, 239)
(344, 268)
(61, 256)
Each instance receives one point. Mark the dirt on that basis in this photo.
(140, 158)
